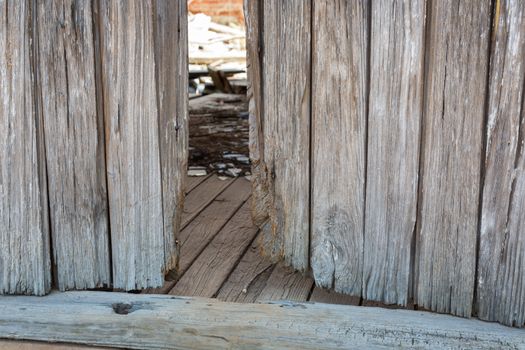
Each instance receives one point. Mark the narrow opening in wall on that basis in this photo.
(218, 107)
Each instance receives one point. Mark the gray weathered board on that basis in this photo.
(501, 266)
(74, 144)
(452, 144)
(282, 164)
(340, 57)
(25, 265)
(93, 112)
(416, 150)
(167, 322)
(394, 118)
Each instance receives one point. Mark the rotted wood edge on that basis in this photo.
(270, 245)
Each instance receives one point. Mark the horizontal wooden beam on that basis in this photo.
(168, 322)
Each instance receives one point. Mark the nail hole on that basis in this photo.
(122, 308)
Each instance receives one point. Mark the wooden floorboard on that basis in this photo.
(140, 321)
(201, 230)
(208, 272)
(194, 181)
(201, 196)
(220, 257)
(249, 277)
(286, 284)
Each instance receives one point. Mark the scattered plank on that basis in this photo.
(201, 197)
(395, 113)
(220, 81)
(321, 295)
(501, 264)
(216, 105)
(209, 271)
(134, 169)
(451, 150)
(249, 277)
(286, 284)
(25, 265)
(74, 138)
(197, 57)
(167, 322)
(339, 143)
(171, 76)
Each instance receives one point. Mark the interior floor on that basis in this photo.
(220, 257)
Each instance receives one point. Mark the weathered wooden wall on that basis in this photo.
(416, 172)
(94, 112)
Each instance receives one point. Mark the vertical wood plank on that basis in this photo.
(501, 267)
(74, 144)
(25, 266)
(395, 109)
(339, 85)
(171, 53)
(452, 144)
(286, 127)
(254, 51)
(132, 143)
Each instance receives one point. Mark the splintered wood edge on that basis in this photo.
(168, 322)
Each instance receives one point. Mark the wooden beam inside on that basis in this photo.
(168, 322)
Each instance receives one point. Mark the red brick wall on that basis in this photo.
(221, 11)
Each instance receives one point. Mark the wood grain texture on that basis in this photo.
(451, 149)
(339, 107)
(74, 144)
(25, 265)
(132, 144)
(31, 345)
(192, 182)
(286, 284)
(208, 272)
(395, 110)
(204, 227)
(194, 237)
(501, 267)
(171, 64)
(249, 277)
(167, 322)
(201, 197)
(253, 11)
(285, 122)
